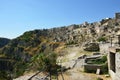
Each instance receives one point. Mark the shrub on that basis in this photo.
(27, 36)
(19, 68)
(71, 43)
(103, 39)
(100, 61)
(44, 61)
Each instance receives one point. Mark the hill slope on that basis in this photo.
(53, 40)
(22, 48)
(3, 42)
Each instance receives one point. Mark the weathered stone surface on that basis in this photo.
(99, 78)
(92, 47)
(98, 71)
(117, 66)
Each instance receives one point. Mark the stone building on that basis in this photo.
(117, 17)
(114, 61)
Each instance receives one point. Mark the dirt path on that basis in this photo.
(77, 75)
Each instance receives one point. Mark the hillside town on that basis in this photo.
(88, 51)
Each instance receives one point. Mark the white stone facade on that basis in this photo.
(114, 65)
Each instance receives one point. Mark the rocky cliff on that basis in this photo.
(48, 40)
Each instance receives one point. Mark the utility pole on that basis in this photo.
(119, 40)
(111, 40)
(61, 68)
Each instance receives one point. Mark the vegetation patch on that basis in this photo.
(102, 39)
(101, 60)
(94, 64)
(27, 36)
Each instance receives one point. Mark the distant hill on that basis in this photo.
(3, 42)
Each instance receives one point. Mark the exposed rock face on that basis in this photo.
(92, 47)
(36, 41)
(4, 41)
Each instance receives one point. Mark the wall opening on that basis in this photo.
(112, 61)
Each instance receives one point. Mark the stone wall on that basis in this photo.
(104, 47)
(117, 66)
(114, 74)
(111, 56)
(117, 15)
(93, 68)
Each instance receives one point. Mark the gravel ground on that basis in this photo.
(74, 74)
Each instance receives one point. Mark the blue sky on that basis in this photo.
(18, 16)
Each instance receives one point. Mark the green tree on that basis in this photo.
(46, 62)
